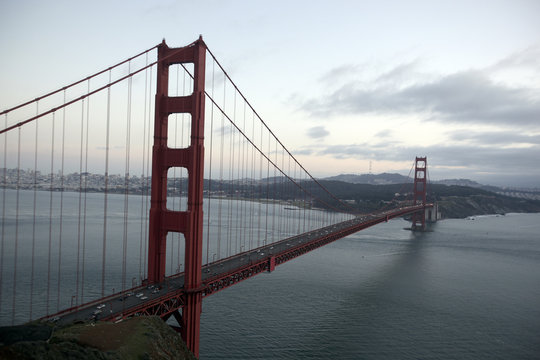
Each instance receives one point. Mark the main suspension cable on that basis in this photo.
(77, 82)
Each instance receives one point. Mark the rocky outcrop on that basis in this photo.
(136, 338)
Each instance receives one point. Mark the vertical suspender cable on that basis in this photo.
(210, 168)
(313, 213)
(61, 204)
(50, 215)
(283, 187)
(79, 225)
(15, 255)
(238, 164)
(105, 202)
(34, 216)
(143, 192)
(221, 172)
(245, 169)
(299, 204)
(148, 169)
(245, 173)
(141, 217)
(275, 202)
(307, 205)
(252, 189)
(239, 203)
(126, 180)
(85, 194)
(290, 219)
(143, 188)
(292, 191)
(231, 182)
(267, 191)
(230, 190)
(259, 195)
(4, 182)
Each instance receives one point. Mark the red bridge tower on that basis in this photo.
(190, 222)
(419, 193)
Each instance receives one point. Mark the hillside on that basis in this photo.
(393, 178)
(371, 179)
(454, 201)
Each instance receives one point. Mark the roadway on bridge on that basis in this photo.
(118, 304)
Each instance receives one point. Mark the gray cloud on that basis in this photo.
(500, 138)
(529, 58)
(317, 132)
(339, 73)
(303, 152)
(386, 133)
(464, 97)
(399, 74)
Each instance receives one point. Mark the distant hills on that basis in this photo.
(371, 179)
(393, 178)
(455, 201)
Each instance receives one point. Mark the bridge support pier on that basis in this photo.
(191, 320)
(189, 222)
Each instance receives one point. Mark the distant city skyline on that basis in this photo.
(73, 181)
(343, 84)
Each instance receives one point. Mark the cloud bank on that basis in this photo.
(489, 120)
(467, 97)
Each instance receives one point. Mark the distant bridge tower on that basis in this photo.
(419, 193)
(190, 222)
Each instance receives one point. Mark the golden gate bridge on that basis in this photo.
(217, 198)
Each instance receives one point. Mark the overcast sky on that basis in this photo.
(342, 83)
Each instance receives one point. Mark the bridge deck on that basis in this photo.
(165, 298)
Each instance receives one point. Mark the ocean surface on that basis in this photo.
(468, 289)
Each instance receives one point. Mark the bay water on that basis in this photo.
(467, 289)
